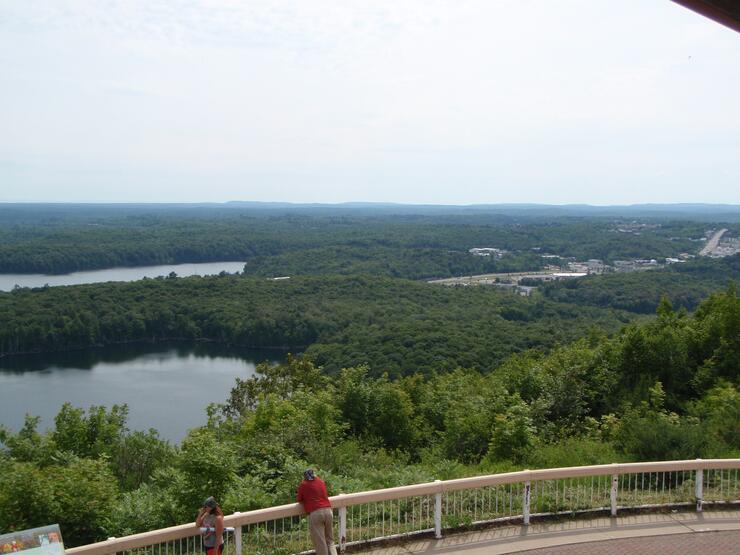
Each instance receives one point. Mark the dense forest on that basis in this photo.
(396, 326)
(665, 388)
(276, 244)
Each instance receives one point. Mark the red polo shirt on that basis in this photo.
(312, 493)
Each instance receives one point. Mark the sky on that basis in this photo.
(421, 102)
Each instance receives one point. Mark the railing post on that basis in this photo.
(342, 528)
(237, 538)
(615, 488)
(525, 501)
(699, 488)
(438, 513)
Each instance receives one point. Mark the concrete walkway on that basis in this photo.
(683, 533)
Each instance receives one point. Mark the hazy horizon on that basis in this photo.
(381, 203)
(429, 103)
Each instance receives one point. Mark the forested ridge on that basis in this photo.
(409, 246)
(401, 325)
(396, 326)
(665, 388)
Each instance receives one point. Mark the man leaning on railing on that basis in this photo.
(315, 499)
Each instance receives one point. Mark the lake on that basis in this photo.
(9, 281)
(167, 386)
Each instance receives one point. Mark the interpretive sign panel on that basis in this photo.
(46, 540)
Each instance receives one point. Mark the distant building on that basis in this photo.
(624, 266)
(568, 275)
(488, 251)
(592, 266)
(595, 266)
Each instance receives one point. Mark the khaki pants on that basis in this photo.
(321, 525)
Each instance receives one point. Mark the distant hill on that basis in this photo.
(11, 213)
(723, 212)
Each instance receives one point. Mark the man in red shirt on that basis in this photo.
(312, 493)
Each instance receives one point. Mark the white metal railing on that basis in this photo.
(435, 506)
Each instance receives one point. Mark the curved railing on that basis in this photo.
(435, 506)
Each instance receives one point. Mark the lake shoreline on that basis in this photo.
(142, 375)
(105, 268)
(10, 281)
(161, 340)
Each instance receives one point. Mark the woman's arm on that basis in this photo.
(219, 527)
(201, 516)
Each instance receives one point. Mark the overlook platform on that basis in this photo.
(683, 533)
(676, 504)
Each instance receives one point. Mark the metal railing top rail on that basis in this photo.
(134, 541)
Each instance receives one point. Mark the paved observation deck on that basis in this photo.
(681, 533)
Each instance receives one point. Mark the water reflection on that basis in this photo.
(142, 375)
(87, 359)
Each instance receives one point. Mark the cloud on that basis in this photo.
(386, 95)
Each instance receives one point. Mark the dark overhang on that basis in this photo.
(726, 12)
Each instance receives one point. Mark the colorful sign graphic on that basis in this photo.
(46, 540)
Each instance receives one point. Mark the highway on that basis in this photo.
(712, 243)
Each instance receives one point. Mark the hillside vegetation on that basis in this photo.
(659, 389)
